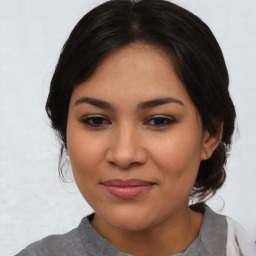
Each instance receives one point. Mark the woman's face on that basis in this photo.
(135, 139)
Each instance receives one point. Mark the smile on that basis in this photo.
(127, 189)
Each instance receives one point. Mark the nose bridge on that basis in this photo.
(125, 138)
(125, 148)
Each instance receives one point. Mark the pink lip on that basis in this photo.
(127, 189)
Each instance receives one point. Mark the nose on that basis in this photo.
(125, 149)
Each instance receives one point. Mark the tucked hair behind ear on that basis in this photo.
(192, 48)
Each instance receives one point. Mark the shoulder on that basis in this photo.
(238, 242)
(68, 244)
(223, 235)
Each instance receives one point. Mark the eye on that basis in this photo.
(95, 121)
(160, 121)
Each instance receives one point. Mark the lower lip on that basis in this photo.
(128, 192)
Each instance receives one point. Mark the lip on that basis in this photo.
(127, 189)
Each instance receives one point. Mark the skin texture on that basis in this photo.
(161, 144)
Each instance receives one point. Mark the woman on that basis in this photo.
(140, 101)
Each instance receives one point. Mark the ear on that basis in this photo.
(210, 142)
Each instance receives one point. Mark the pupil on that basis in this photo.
(97, 120)
(159, 121)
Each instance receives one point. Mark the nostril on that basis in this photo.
(124, 166)
(126, 154)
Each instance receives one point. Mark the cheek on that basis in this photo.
(84, 158)
(178, 157)
(86, 153)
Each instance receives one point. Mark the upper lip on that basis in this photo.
(127, 183)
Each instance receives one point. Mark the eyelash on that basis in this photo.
(87, 121)
(164, 121)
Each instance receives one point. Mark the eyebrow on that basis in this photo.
(143, 105)
(94, 102)
(158, 102)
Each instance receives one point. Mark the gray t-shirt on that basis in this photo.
(86, 241)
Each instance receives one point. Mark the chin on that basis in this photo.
(127, 219)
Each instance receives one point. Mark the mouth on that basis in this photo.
(127, 189)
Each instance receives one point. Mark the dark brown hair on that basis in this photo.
(192, 48)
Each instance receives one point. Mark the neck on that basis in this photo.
(172, 236)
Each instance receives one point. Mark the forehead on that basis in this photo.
(134, 72)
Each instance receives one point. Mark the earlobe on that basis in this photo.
(211, 142)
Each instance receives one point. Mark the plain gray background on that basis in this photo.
(33, 201)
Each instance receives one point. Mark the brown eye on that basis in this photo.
(160, 121)
(95, 121)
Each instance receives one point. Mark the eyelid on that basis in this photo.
(161, 116)
(164, 117)
(94, 115)
(85, 119)
(167, 120)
